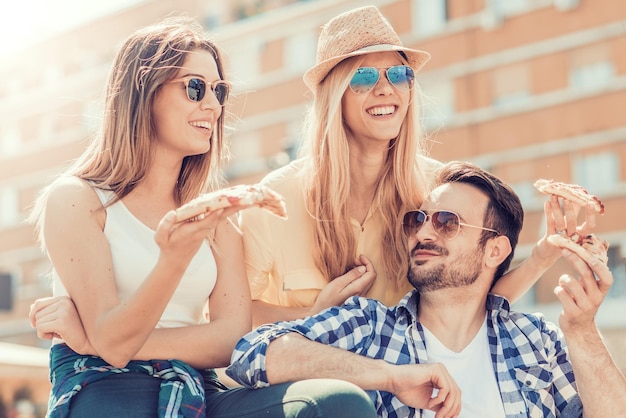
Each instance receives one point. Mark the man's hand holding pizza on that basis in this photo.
(581, 296)
(597, 376)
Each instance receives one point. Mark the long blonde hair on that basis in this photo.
(121, 153)
(402, 185)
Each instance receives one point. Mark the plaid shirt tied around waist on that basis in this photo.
(529, 354)
(181, 393)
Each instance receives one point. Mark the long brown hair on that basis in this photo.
(402, 184)
(121, 153)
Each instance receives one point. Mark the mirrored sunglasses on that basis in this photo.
(364, 79)
(196, 88)
(446, 224)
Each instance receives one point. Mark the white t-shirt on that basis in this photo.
(473, 372)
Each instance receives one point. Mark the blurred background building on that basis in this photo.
(525, 88)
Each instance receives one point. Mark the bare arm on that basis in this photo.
(514, 284)
(201, 346)
(211, 345)
(292, 357)
(73, 232)
(355, 282)
(266, 313)
(601, 385)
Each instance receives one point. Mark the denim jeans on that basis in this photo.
(132, 395)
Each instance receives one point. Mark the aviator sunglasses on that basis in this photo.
(446, 224)
(364, 79)
(196, 88)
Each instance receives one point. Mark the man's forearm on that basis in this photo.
(292, 357)
(601, 385)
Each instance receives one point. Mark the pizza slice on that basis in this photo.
(571, 192)
(587, 246)
(241, 195)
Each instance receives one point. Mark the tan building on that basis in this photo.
(524, 88)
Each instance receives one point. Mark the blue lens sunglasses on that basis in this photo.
(364, 79)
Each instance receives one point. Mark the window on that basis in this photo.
(597, 172)
(509, 7)
(298, 49)
(244, 65)
(512, 99)
(247, 156)
(591, 68)
(9, 207)
(10, 140)
(594, 76)
(511, 86)
(217, 12)
(438, 104)
(212, 21)
(497, 10)
(526, 191)
(429, 16)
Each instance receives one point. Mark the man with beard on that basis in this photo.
(450, 336)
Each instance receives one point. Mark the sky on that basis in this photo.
(23, 22)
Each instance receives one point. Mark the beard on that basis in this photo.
(462, 271)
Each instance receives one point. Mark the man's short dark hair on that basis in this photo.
(504, 211)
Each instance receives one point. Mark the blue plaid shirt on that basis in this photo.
(181, 391)
(529, 355)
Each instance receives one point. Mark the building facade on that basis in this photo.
(527, 89)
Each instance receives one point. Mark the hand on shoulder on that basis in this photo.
(355, 282)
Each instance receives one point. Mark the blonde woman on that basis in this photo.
(135, 341)
(361, 168)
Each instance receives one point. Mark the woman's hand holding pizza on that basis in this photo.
(179, 241)
(561, 213)
(182, 231)
(562, 220)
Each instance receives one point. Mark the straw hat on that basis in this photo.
(357, 32)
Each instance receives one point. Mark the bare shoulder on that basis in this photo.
(227, 238)
(70, 195)
(227, 229)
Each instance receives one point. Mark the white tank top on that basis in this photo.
(135, 253)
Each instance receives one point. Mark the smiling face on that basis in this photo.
(379, 113)
(437, 263)
(183, 126)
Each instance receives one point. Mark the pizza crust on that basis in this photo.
(571, 192)
(587, 247)
(242, 195)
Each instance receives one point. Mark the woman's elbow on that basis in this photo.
(116, 354)
(236, 332)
